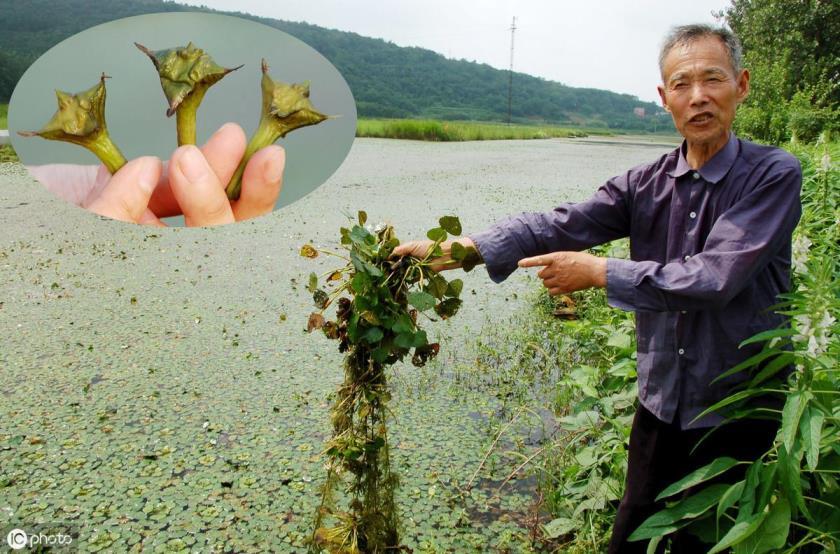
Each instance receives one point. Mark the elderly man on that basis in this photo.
(710, 236)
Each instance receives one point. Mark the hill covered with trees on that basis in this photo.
(387, 80)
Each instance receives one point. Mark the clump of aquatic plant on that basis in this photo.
(186, 72)
(379, 299)
(285, 107)
(80, 119)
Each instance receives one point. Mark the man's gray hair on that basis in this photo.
(686, 34)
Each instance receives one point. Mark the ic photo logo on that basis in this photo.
(18, 539)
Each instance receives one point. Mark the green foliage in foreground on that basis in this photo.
(4, 116)
(583, 371)
(790, 498)
(376, 325)
(451, 131)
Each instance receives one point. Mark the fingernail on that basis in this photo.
(192, 164)
(224, 128)
(274, 168)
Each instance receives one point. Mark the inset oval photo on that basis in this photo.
(107, 118)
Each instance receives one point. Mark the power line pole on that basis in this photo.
(510, 71)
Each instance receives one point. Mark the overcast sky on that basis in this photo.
(606, 44)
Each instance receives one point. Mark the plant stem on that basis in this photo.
(185, 116)
(266, 133)
(106, 151)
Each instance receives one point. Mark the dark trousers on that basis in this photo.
(660, 454)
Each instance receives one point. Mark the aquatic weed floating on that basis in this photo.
(376, 327)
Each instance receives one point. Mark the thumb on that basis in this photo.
(535, 261)
(126, 196)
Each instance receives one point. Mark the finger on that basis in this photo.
(149, 218)
(223, 151)
(261, 183)
(535, 261)
(554, 291)
(126, 196)
(197, 189)
(416, 248)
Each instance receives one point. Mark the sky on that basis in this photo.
(605, 44)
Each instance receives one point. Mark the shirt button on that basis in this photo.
(680, 351)
(695, 175)
(686, 258)
(692, 215)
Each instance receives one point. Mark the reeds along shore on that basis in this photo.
(450, 131)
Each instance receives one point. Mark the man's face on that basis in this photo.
(702, 91)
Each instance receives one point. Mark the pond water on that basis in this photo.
(158, 391)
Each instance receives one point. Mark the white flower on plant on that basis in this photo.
(816, 336)
(825, 162)
(801, 247)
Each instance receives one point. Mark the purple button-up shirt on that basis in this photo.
(709, 254)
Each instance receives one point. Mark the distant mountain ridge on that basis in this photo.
(387, 80)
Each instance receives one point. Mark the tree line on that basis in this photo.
(387, 80)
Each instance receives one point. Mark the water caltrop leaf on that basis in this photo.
(436, 234)
(374, 334)
(450, 224)
(308, 251)
(421, 300)
(320, 298)
(454, 288)
(698, 476)
(448, 307)
(466, 255)
(316, 321)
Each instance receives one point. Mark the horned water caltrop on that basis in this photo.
(186, 73)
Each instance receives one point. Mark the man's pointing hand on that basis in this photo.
(564, 272)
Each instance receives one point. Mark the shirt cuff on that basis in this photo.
(499, 252)
(621, 284)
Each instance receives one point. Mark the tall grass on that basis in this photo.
(4, 116)
(451, 131)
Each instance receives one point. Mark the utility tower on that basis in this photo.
(510, 71)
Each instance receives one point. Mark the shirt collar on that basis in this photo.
(716, 168)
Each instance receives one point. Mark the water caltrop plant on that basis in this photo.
(379, 299)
